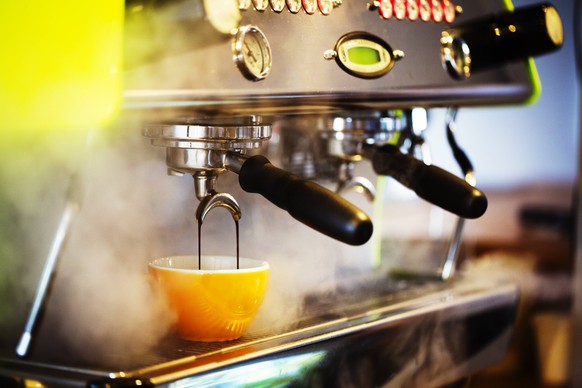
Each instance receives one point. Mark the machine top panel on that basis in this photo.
(347, 54)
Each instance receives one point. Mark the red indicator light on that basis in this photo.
(325, 6)
(437, 11)
(293, 6)
(399, 9)
(412, 10)
(310, 6)
(424, 10)
(449, 11)
(386, 10)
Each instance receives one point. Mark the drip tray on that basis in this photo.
(380, 332)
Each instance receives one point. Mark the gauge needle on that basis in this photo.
(250, 52)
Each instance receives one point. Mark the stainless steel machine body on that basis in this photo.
(213, 90)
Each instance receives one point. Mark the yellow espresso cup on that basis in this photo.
(216, 302)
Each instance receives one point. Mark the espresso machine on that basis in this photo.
(286, 99)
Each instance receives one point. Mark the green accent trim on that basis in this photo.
(377, 217)
(508, 5)
(535, 80)
(394, 138)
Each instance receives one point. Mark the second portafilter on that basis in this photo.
(394, 143)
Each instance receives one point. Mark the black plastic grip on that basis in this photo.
(308, 202)
(431, 183)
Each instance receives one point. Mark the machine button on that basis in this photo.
(277, 5)
(399, 9)
(437, 10)
(243, 5)
(412, 10)
(424, 11)
(310, 6)
(293, 6)
(325, 6)
(261, 5)
(449, 11)
(223, 15)
(385, 9)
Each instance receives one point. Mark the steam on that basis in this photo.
(519, 268)
(34, 172)
(102, 288)
(102, 307)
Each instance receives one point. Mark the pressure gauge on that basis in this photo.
(277, 5)
(224, 15)
(261, 5)
(293, 6)
(252, 53)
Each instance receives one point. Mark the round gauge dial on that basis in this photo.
(261, 5)
(293, 6)
(424, 10)
(224, 15)
(310, 6)
(277, 5)
(386, 9)
(252, 53)
(244, 4)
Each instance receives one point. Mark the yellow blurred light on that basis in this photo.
(60, 66)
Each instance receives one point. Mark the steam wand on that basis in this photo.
(435, 185)
(449, 265)
(56, 249)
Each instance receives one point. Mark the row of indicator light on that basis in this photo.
(425, 10)
(294, 6)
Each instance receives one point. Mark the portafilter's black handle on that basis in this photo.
(308, 202)
(431, 183)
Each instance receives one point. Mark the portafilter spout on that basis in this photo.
(214, 200)
(211, 201)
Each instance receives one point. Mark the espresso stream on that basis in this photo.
(200, 245)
